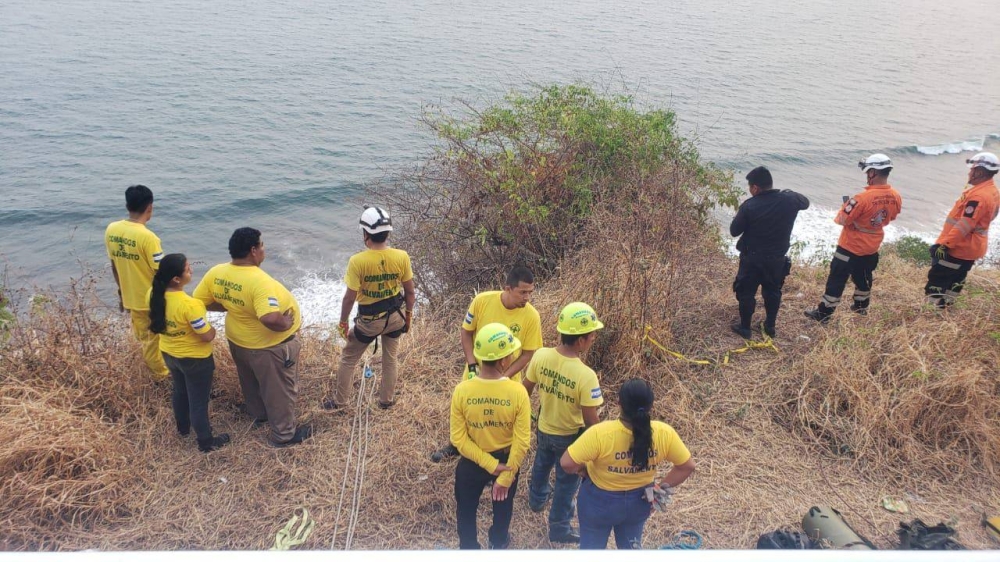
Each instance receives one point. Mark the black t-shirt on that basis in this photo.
(765, 222)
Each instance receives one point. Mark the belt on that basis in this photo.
(374, 316)
(288, 339)
(504, 451)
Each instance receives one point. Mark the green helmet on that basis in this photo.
(494, 342)
(577, 319)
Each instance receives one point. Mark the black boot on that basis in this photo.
(821, 313)
(742, 332)
(213, 443)
(768, 330)
(302, 433)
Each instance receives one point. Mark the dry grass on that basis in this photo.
(904, 401)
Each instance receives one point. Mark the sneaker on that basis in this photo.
(862, 310)
(443, 453)
(386, 405)
(742, 332)
(491, 546)
(217, 442)
(817, 315)
(330, 406)
(768, 331)
(572, 537)
(302, 433)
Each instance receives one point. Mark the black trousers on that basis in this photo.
(846, 265)
(192, 388)
(946, 279)
(470, 480)
(767, 273)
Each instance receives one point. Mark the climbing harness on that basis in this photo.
(357, 453)
(766, 343)
(684, 540)
(290, 535)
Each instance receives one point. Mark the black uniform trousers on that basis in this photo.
(946, 279)
(766, 272)
(847, 265)
(470, 479)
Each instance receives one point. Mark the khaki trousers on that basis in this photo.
(355, 349)
(270, 388)
(150, 344)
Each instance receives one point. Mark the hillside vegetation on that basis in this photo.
(611, 207)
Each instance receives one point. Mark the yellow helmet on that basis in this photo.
(577, 319)
(494, 342)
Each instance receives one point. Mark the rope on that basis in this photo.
(684, 540)
(359, 436)
(286, 537)
(766, 343)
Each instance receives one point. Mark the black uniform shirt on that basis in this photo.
(765, 222)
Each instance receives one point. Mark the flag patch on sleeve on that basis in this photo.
(198, 323)
(595, 392)
(469, 318)
(272, 301)
(157, 257)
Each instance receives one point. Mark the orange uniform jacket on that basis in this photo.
(864, 216)
(966, 229)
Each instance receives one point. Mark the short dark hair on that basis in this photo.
(761, 177)
(378, 237)
(520, 274)
(138, 198)
(570, 339)
(884, 173)
(491, 363)
(242, 241)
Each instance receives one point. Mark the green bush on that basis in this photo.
(523, 180)
(912, 249)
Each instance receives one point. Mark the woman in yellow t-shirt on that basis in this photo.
(619, 459)
(186, 345)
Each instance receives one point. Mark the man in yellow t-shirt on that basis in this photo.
(491, 426)
(512, 308)
(380, 280)
(135, 254)
(570, 395)
(262, 321)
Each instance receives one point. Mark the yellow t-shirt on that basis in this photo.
(524, 323)
(606, 448)
(248, 293)
(136, 253)
(488, 415)
(185, 319)
(378, 274)
(565, 385)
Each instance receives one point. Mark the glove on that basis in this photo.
(659, 495)
(939, 252)
(342, 328)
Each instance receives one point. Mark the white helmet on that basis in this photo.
(986, 160)
(875, 162)
(375, 220)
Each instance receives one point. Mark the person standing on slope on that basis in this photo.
(262, 321)
(764, 224)
(491, 427)
(135, 254)
(965, 236)
(864, 218)
(570, 396)
(512, 308)
(380, 279)
(620, 459)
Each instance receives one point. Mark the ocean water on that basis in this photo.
(275, 113)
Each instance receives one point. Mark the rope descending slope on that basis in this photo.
(357, 453)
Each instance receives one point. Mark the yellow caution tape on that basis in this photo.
(766, 343)
(663, 348)
(286, 537)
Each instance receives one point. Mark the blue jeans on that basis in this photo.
(549, 450)
(602, 511)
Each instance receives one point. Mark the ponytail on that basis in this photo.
(172, 265)
(636, 400)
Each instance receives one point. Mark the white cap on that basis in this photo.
(986, 160)
(375, 220)
(875, 162)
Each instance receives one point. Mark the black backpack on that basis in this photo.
(785, 540)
